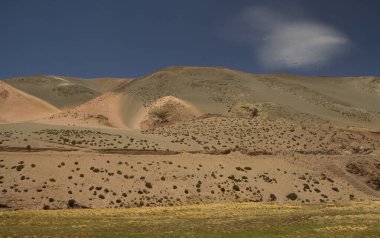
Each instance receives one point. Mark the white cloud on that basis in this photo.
(281, 41)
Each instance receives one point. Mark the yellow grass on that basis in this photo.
(213, 220)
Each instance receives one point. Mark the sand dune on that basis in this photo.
(17, 106)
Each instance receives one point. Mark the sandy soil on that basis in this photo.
(98, 112)
(36, 179)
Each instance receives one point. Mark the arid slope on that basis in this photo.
(17, 106)
(64, 92)
(187, 135)
(340, 101)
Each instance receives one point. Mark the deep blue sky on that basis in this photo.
(122, 38)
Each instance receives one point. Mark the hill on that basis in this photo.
(193, 135)
(343, 102)
(64, 92)
(351, 101)
(17, 106)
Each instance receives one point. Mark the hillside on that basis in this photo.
(190, 135)
(64, 92)
(219, 91)
(104, 84)
(340, 101)
(17, 106)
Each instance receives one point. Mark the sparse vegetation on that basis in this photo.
(292, 196)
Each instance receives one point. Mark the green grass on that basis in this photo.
(215, 220)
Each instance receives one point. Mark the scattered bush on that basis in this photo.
(272, 197)
(292, 196)
(235, 187)
(71, 203)
(148, 185)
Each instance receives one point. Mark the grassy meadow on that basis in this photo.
(213, 220)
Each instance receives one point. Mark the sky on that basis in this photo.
(125, 38)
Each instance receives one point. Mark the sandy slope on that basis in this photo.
(17, 106)
(166, 111)
(105, 181)
(58, 91)
(121, 110)
(67, 92)
(64, 92)
(112, 109)
(212, 159)
(102, 111)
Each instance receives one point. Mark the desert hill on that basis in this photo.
(169, 110)
(16, 106)
(190, 135)
(350, 101)
(64, 92)
(341, 101)
(211, 90)
(102, 111)
(120, 110)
